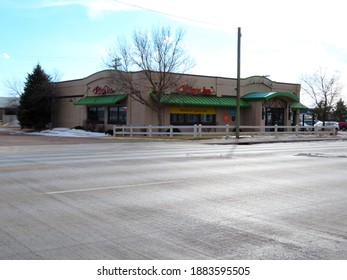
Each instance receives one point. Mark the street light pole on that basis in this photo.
(237, 126)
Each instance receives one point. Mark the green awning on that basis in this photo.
(254, 96)
(101, 100)
(199, 100)
(297, 105)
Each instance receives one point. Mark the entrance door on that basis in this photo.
(274, 116)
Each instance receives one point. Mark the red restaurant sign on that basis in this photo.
(102, 91)
(190, 89)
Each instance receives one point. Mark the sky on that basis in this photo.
(70, 38)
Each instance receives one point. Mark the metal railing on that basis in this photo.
(199, 131)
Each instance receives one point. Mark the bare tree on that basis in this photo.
(14, 88)
(159, 59)
(324, 89)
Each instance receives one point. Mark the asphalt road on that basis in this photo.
(173, 200)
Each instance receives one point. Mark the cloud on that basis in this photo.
(208, 14)
(95, 8)
(6, 56)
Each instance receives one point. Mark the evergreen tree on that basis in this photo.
(340, 112)
(36, 102)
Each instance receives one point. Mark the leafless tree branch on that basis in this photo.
(323, 88)
(159, 61)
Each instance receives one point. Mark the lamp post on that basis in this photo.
(237, 125)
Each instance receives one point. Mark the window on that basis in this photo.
(206, 118)
(96, 114)
(190, 119)
(117, 115)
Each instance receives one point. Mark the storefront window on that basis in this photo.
(177, 118)
(191, 119)
(206, 118)
(117, 115)
(96, 114)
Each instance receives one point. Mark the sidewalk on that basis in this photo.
(15, 136)
(281, 138)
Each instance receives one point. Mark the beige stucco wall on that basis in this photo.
(65, 113)
(69, 115)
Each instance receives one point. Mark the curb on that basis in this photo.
(270, 141)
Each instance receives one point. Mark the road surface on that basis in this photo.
(173, 200)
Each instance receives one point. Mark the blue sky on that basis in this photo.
(70, 38)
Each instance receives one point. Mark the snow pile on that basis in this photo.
(67, 132)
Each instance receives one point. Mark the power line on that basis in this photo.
(166, 14)
(124, 3)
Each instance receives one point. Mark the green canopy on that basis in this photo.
(297, 105)
(254, 96)
(101, 100)
(199, 100)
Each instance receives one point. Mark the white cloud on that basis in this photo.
(95, 8)
(6, 56)
(281, 38)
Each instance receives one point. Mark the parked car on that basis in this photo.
(308, 125)
(343, 126)
(330, 125)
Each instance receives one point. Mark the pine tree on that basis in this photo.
(340, 112)
(35, 104)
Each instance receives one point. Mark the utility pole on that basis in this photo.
(237, 126)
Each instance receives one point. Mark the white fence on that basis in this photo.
(199, 131)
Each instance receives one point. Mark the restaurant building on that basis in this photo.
(94, 102)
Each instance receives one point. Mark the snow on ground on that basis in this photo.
(67, 132)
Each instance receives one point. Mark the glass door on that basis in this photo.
(274, 116)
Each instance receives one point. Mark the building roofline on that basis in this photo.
(184, 74)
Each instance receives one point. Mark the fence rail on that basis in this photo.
(199, 131)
